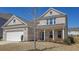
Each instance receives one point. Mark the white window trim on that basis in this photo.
(53, 21)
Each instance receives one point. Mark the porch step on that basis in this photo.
(58, 41)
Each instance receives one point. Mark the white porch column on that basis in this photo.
(53, 34)
(63, 33)
(25, 34)
(44, 34)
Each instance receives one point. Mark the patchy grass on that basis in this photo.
(41, 46)
(76, 38)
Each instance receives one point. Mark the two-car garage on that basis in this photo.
(19, 34)
(14, 36)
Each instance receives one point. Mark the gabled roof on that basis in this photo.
(5, 16)
(49, 10)
(19, 18)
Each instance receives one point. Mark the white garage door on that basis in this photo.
(14, 36)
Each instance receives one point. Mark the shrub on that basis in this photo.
(72, 40)
(69, 41)
(0, 38)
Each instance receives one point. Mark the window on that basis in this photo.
(59, 34)
(50, 12)
(50, 34)
(51, 21)
(54, 21)
(14, 21)
(47, 22)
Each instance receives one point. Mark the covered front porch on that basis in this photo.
(50, 34)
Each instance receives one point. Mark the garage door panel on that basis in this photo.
(14, 36)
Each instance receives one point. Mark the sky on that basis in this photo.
(27, 13)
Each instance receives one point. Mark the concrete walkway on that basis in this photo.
(6, 42)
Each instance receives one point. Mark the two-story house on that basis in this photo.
(50, 26)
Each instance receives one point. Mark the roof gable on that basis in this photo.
(14, 21)
(51, 12)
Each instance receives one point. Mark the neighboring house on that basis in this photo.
(50, 26)
(3, 18)
(73, 31)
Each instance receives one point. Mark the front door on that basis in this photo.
(41, 35)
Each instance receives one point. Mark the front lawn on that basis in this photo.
(41, 46)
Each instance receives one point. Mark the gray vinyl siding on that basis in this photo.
(30, 34)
